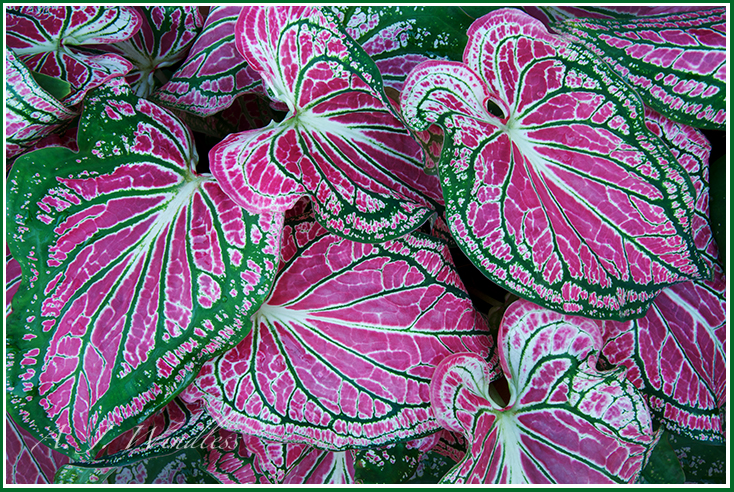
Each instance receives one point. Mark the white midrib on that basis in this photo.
(509, 435)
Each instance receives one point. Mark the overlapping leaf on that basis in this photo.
(692, 151)
(214, 73)
(31, 113)
(48, 40)
(676, 356)
(399, 38)
(27, 460)
(565, 422)
(566, 199)
(676, 353)
(341, 144)
(135, 271)
(164, 37)
(676, 62)
(344, 349)
(559, 13)
(180, 467)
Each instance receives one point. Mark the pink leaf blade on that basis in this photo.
(330, 371)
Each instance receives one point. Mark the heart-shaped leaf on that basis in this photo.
(47, 40)
(567, 199)
(27, 460)
(565, 422)
(341, 144)
(31, 113)
(676, 62)
(343, 351)
(135, 271)
(214, 73)
(163, 39)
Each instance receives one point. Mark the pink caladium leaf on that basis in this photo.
(164, 38)
(565, 422)
(341, 144)
(566, 199)
(135, 270)
(28, 460)
(676, 356)
(675, 62)
(343, 351)
(49, 40)
(31, 113)
(214, 73)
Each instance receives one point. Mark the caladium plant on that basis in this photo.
(564, 421)
(564, 197)
(296, 316)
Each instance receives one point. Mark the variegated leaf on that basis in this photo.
(692, 151)
(343, 351)
(164, 38)
(31, 113)
(178, 425)
(676, 356)
(135, 270)
(28, 460)
(214, 73)
(233, 463)
(399, 38)
(47, 40)
(676, 62)
(565, 422)
(702, 463)
(341, 144)
(567, 199)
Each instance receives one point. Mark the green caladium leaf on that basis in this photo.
(399, 38)
(719, 202)
(341, 143)
(566, 199)
(676, 62)
(701, 462)
(663, 466)
(31, 112)
(135, 271)
(58, 88)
